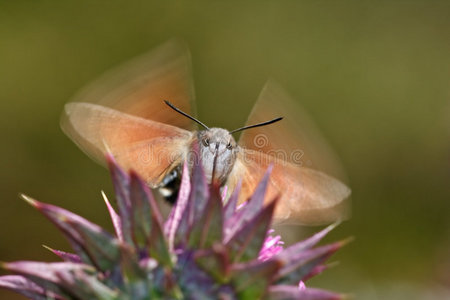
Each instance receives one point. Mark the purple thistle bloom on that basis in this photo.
(272, 245)
(204, 250)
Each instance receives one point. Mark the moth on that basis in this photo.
(143, 113)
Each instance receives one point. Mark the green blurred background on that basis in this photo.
(373, 74)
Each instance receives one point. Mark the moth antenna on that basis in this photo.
(257, 125)
(185, 114)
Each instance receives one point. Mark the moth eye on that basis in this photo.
(205, 142)
(229, 146)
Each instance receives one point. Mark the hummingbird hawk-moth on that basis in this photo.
(129, 112)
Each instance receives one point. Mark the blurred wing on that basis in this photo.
(294, 139)
(139, 86)
(307, 196)
(151, 148)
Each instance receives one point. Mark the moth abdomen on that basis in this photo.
(170, 185)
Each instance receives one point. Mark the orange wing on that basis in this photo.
(151, 148)
(294, 139)
(301, 160)
(308, 196)
(139, 86)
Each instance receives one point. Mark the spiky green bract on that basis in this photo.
(204, 250)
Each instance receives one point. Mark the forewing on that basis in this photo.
(294, 139)
(139, 86)
(148, 147)
(307, 196)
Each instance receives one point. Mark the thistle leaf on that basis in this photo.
(47, 275)
(102, 248)
(129, 263)
(159, 248)
(215, 261)
(247, 242)
(208, 227)
(257, 199)
(81, 285)
(252, 279)
(298, 267)
(63, 219)
(198, 198)
(95, 246)
(141, 211)
(117, 223)
(284, 292)
(231, 204)
(26, 287)
(308, 243)
(173, 222)
(197, 283)
(250, 209)
(69, 257)
(121, 184)
(199, 193)
(147, 224)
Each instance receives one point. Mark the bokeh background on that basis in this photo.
(373, 74)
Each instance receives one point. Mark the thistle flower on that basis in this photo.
(203, 250)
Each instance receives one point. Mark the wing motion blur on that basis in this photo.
(148, 147)
(139, 86)
(129, 117)
(295, 139)
(307, 196)
(301, 160)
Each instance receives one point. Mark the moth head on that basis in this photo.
(217, 140)
(218, 150)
